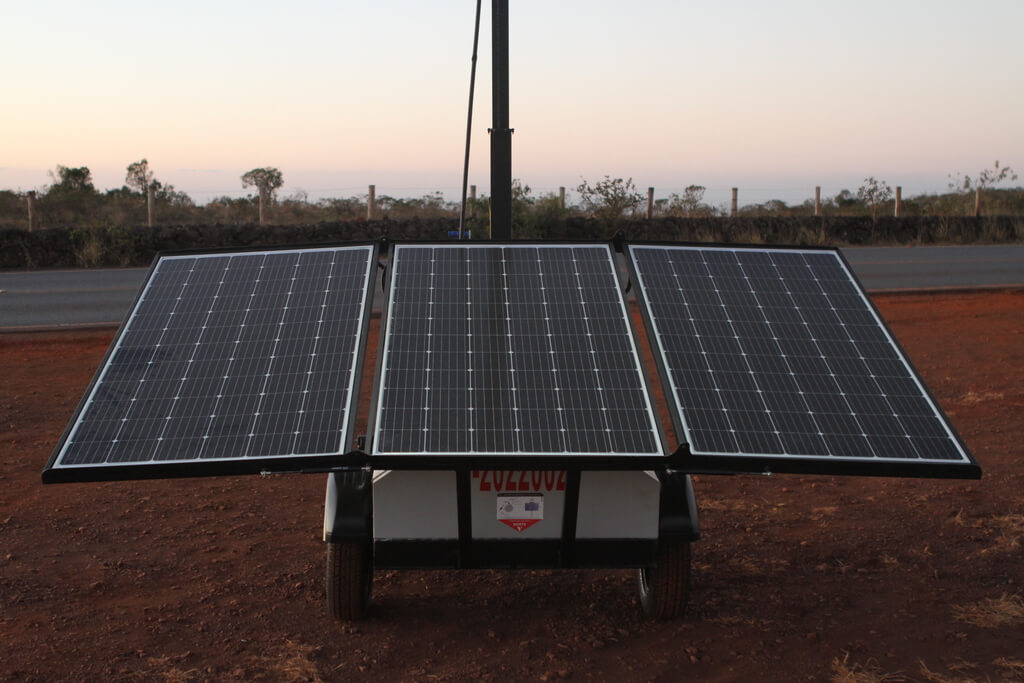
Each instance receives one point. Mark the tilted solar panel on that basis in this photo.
(229, 362)
(510, 350)
(777, 361)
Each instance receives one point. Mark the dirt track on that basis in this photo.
(797, 578)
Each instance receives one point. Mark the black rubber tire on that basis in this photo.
(349, 580)
(665, 587)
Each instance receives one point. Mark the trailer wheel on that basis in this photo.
(665, 586)
(349, 578)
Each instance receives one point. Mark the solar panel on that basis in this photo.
(510, 350)
(228, 363)
(777, 360)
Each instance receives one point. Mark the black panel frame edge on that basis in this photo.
(721, 464)
(745, 464)
(484, 461)
(171, 469)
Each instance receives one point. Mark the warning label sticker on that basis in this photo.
(520, 511)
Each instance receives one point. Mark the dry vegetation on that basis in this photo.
(844, 671)
(1006, 611)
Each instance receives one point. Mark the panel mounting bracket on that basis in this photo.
(618, 242)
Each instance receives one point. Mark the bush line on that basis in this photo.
(122, 246)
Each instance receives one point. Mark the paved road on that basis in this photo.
(896, 268)
(62, 298)
(67, 297)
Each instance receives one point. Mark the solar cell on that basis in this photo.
(776, 359)
(514, 349)
(234, 358)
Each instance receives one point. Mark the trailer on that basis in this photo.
(513, 419)
(511, 519)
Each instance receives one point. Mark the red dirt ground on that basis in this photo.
(796, 578)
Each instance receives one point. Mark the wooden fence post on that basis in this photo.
(561, 198)
(899, 201)
(371, 203)
(31, 200)
(150, 198)
(735, 202)
(262, 219)
(650, 203)
(977, 201)
(817, 200)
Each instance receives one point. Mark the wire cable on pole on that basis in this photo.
(469, 124)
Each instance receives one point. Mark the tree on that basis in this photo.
(874, 193)
(987, 178)
(267, 181)
(71, 181)
(609, 198)
(845, 199)
(138, 176)
(775, 207)
(71, 198)
(688, 203)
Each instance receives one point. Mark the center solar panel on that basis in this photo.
(510, 350)
(228, 363)
(777, 360)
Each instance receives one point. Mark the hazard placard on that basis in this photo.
(520, 511)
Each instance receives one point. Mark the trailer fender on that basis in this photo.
(678, 519)
(348, 509)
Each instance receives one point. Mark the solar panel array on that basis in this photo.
(777, 353)
(230, 357)
(522, 349)
(242, 361)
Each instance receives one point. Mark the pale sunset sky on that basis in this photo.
(771, 97)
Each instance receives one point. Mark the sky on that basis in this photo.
(771, 97)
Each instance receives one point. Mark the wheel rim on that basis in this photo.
(645, 581)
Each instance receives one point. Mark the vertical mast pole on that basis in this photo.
(501, 134)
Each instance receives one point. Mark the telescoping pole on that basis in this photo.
(501, 134)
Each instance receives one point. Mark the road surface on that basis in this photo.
(960, 267)
(77, 298)
(72, 298)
